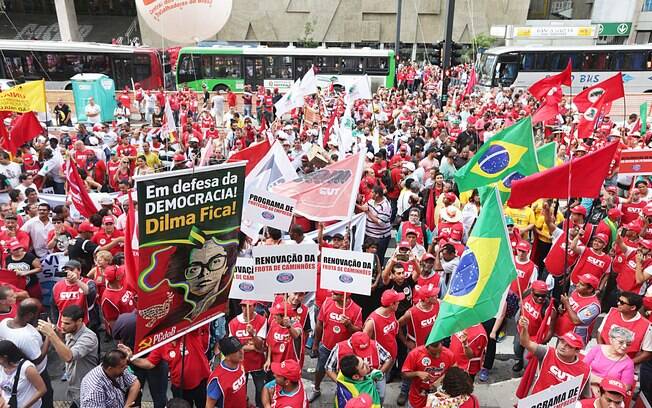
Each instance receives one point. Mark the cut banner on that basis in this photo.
(188, 223)
(329, 193)
(286, 268)
(27, 97)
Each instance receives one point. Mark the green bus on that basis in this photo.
(231, 68)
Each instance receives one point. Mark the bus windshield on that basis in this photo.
(486, 69)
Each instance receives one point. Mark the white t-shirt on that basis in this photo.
(95, 111)
(38, 232)
(11, 171)
(25, 391)
(27, 339)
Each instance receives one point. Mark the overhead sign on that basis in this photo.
(286, 268)
(269, 209)
(554, 31)
(560, 395)
(614, 29)
(243, 285)
(346, 271)
(635, 162)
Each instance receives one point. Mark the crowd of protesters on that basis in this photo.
(414, 146)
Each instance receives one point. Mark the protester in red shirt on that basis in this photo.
(73, 290)
(116, 299)
(613, 393)
(426, 366)
(107, 234)
(286, 390)
(282, 333)
(8, 306)
(469, 347)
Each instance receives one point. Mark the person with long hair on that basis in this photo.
(458, 386)
(22, 373)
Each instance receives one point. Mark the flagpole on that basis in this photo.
(566, 280)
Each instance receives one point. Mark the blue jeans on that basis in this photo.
(258, 377)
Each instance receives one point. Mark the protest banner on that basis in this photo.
(346, 271)
(560, 395)
(269, 209)
(50, 265)
(286, 268)
(188, 223)
(312, 116)
(327, 194)
(634, 162)
(27, 97)
(356, 228)
(243, 285)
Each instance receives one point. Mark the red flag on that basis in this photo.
(131, 250)
(263, 125)
(4, 134)
(329, 193)
(528, 376)
(540, 88)
(25, 128)
(77, 191)
(606, 91)
(253, 154)
(588, 120)
(329, 129)
(471, 84)
(588, 174)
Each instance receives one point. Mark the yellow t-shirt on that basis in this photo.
(523, 217)
(540, 226)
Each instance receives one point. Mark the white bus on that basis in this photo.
(57, 62)
(522, 66)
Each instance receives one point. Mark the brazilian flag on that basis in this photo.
(484, 273)
(507, 156)
(547, 156)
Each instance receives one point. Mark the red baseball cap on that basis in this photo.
(360, 341)
(410, 231)
(635, 226)
(248, 302)
(108, 219)
(573, 340)
(578, 209)
(289, 369)
(280, 306)
(15, 244)
(391, 296)
(523, 245)
(112, 274)
(427, 257)
(616, 213)
(539, 286)
(590, 280)
(450, 196)
(361, 401)
(613, 385)
(602, 237)
(645, 243)
(403, 245)
(426, 291)
(612, 189)
(86, 227)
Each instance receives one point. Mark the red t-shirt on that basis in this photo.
(196, 364)
(65, 294)
(282, 343)
(80, 157)
(419, 359)
(127, 150)
(329, 315)
(116, 302)
(101, 238)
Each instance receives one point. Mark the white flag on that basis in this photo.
(170, 125)
(358, 88)
(309, 83)
(292, 99)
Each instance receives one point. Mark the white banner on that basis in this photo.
(243, 285)
(560, 395)
(346, 271)
(269, 209)
(50, 264)
(358, 227)
(286, 268)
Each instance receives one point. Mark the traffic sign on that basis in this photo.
(614, 29)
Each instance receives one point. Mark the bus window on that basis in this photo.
(278, 67)
(189, 68)
(14, 68)
(629, 61)
(559, 60)
(98, 64)
(377, 65)
(648, 64)
(301, 66)
(486, 68)
(206, 66)
(227, 66)
(352, 65)
(328, 65)
(595, 61)
(142, 67)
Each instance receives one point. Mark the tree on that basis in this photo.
(307, 41)
(479, 43)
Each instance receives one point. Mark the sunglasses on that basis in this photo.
(540, 295)
(621, 302)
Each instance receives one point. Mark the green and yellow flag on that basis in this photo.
(507, 156)
(484, 273)
(643, 112)
(547, 156)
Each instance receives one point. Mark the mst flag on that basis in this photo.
(547, 155)
(586, 178)
(508, 155)
(606, 91)
(543, 87)
(485, 270)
